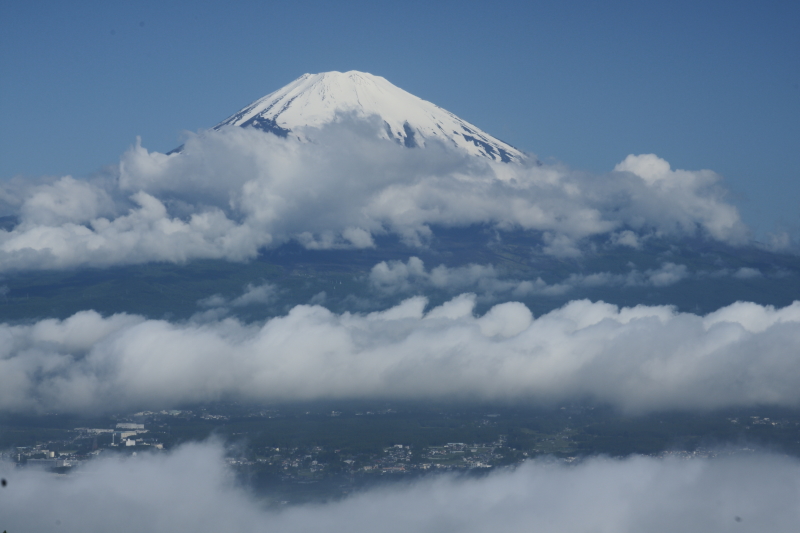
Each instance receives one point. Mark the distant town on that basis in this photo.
(293, 454)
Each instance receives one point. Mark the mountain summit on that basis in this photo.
(318, 99)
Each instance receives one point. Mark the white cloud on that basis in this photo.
(65, 201)
(233, 191)
(639, 359)
(742, 273)
(626, 238)
(782, 241)
(668, 274)
(318, 299)
(145, 233)
(215, 300)
(190, 489)
(358, 237)
(663, 276)
(683, 199)
(263, 294)
(649, 167)
(391, 277)
(747, 273)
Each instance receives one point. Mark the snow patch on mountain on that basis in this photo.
(314, 100)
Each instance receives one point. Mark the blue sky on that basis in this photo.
(702, 84)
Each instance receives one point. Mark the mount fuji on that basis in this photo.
(268, 200)
(314, 100)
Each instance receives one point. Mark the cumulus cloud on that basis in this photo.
(145, 233)
(233, 191)
(391, 277)
(66, 200)
(190, 489)
(638, 358)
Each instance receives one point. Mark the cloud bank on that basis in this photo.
(638, 358)
(234, 191)
(191, 490)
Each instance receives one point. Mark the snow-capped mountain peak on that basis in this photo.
(313, 100)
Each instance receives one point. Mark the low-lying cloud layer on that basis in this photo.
(191, 490)
(639, 359)
(393, 277)
(234, 191)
